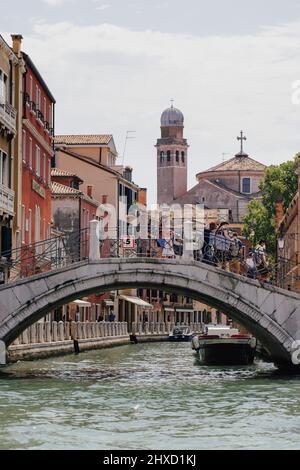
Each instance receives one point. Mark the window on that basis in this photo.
(177, 156)
(23, 224)
(45, 109)
(182, 157)
(24, 146)
(49, 171)
(169, 155)
(3, 160)
(162, 156)
(50, 115)
(38, 161)
(246, 185)
(44, 168)
(30, 153)
(37, 224)
(29, 226)
(30, 89)
(38, 98)
(84, 218)
(3, 86)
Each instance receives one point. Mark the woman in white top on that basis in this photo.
(168, 251)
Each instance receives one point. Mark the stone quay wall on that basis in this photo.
(46, 339)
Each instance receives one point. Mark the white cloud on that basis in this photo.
(110, 79)
(103, 6)
(55, 3)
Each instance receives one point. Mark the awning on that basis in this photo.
(82, 303)
(136, 301)
(185, 310)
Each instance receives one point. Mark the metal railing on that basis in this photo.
(61, 251)
(46, 255)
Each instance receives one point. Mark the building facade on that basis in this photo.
(288, 241)
(9, 70)
(94, 158)
(37, 153)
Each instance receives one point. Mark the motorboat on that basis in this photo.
(181, 333)
(223, 345)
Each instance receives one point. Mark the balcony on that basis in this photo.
(40, 117)
(7, 197)
(8, 119)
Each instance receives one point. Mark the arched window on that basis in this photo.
(177, 156)
(246, 185)
(162, 156)
(169, 155)
(182, 157)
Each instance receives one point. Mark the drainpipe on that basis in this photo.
(79, 226)
(53, 163)
(10, 82)
(118, 217)
(24, 94)
(10, 139)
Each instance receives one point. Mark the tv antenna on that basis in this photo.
(128, 136)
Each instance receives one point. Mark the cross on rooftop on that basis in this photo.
(242, 138)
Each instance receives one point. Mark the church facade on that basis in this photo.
(227, 187)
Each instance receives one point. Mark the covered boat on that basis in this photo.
(223, 345)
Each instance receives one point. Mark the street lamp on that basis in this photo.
(281, 243)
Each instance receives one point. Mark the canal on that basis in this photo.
(151, 396)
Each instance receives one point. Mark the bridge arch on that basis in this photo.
(269, 313)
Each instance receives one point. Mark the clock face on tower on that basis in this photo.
(171, 157)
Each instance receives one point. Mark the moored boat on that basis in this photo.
(223, 345)
(181, 333)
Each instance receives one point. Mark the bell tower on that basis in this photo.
(171, 157)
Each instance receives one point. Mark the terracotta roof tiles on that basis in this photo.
(96, 139)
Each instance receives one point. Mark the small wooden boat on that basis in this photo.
(181, 333)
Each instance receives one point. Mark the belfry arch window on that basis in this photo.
(182, 157)
(162, 156)
(169, 155)
(177, 156)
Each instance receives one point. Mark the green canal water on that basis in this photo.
(151, 396)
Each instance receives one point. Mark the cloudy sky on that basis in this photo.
(114, 65)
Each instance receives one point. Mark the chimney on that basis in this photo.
(142, 196)
(128, 173)
(17, 42)
(279, 212)
(90, 191)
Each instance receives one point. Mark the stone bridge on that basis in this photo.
(271, 314)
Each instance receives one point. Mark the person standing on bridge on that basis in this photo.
(235, 254)
(222, 246)
(262, 264)
(168, 250)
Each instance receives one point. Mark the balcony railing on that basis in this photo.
(7, 197)
(8, 116)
